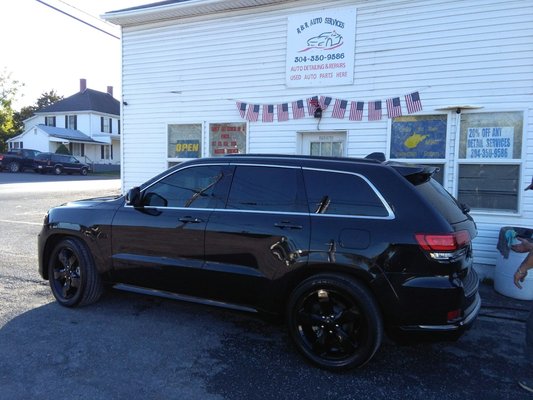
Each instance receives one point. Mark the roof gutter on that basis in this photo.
(182, 9)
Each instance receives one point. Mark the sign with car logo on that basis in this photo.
(321, 48)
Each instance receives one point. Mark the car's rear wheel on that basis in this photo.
(73, 277)
(334, 321)
(58, 170)
(84, 171)
(14, 166)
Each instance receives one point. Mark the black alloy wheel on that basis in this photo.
(73, 277)
(335, 321)
(84, 171)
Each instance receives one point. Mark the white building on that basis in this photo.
(87, 123)
(465, 68)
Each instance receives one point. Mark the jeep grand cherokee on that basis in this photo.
(344, 249)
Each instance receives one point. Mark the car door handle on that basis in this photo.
(287, 225)
(190, 220)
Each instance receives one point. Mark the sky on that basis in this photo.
(46, 50)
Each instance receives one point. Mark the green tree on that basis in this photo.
(62, 149)
(8, 92)
(46, 99)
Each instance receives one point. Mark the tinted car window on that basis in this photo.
(192, 187)
(266, 189)
(341, 194)
(443, 201)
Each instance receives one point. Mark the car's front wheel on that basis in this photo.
(334, 321)
(73, 277)
(58, 170)
(84, 171)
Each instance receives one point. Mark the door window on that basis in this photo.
(267, 189)
(194, 187)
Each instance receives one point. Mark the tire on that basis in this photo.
(58, 170)
(84, 171)
(14, 166)
(334, 321)
(73, 277)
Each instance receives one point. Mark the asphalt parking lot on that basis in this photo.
(129, 346)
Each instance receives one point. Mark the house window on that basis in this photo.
(106, 125)
(490, 151)
(118, 126)
(71, 121)
(50, 121)
(106, 152)
(77, 149)
(184, 141)
(227, 138)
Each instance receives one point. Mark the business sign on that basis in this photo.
(490, 143)
(321, 48)
(422, 137)
(227, 138)
(187, 149)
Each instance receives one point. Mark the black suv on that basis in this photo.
(344, 249)
(59, 163)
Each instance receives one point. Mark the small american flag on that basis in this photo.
(312, 105)
(242, 108)
(356, 110)
(253, 112)
(298, 109)
(374, 110)
(268, 113)
(413, 102)
(283, 112)
(394, 107)
(339, 109)
(324, 102)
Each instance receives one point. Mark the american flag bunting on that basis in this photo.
(253, 113)
(298, 109)
(268, 113)
(312, 105)
(394, 107)
(374, 110)
(242, 108)
(324, 102)
(283, 112)
(339, 109)
(356, 110)
(413, 102)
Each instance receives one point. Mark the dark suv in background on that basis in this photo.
(344, 249)
(59, 163)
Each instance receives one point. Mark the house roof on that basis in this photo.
(88, 100)
(175, 9)
(72, 135)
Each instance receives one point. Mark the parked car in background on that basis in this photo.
(59, 163)
(344, 249)
(18, 160)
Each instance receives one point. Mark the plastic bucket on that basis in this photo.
(504, 277)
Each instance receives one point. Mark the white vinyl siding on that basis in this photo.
(462, 52)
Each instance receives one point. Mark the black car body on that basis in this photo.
(18, 160)
(59, 163)
(343, 248)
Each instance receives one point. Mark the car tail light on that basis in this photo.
(443, 246)
(454, 315)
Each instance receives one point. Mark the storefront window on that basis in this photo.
(420, 139)
(227, 138)
(185, 141)
(490, 150)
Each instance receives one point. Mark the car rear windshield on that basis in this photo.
(442, 200)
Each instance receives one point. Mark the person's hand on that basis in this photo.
(519, 276)
(523, 247)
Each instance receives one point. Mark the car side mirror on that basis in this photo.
(133, 197)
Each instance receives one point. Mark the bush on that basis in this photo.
(62, 149)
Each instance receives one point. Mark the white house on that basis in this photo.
(87, 123)
(440, 82)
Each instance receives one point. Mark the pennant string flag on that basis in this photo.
(324, 102)
(283, 112)
(356, 110)
(394, 107)
(242, 108)
(253, 112)
(268, 113)
(374, 110)
(413, 102)
(339, 109)
(298, 109)
(312, 105)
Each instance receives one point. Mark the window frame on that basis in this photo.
(520, 162)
